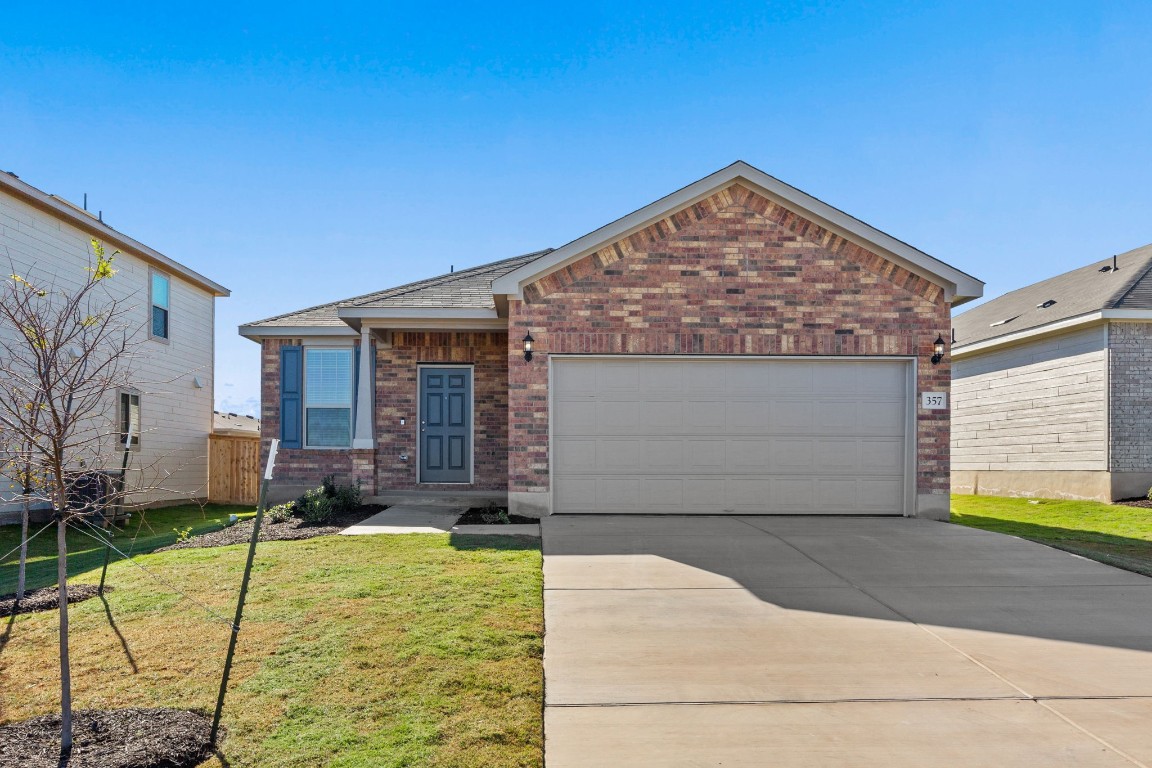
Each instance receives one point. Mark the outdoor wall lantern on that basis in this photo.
(528, 347)
(938, 349)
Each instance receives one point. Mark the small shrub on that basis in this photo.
(183, 534)
(281, 513)
(1149, 494)
(347, 498)
(328, 486)
(493, 513)
(315, 506)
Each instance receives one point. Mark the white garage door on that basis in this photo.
(750, 436)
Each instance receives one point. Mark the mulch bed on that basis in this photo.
(1137, 502)
(46, 599)
(489, 516)
(292, 530)
(118, 738)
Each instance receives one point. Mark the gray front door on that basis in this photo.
(445, 425)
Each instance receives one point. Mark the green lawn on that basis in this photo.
(1113, 534)
(147, 531)
(374, 651)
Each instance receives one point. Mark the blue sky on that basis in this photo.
(299, 154)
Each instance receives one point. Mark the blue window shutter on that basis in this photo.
(291, 397)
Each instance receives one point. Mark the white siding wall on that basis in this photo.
(1037, 406)
(176, 416)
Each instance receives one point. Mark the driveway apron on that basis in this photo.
(784, 641)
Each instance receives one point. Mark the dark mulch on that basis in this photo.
(119, 738)
(1137, 502)
(292, 530)
(46, 599)
(492, 516)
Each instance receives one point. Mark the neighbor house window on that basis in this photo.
(130, 417)
(328, 398)
(160, 285)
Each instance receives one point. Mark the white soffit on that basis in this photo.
(1027, 334)
(257, 332)
(959, 286)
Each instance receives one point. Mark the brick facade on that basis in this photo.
(734, 274)
(1130, 401)
(396, 398)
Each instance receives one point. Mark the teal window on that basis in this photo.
(160, 292)
(328, 397)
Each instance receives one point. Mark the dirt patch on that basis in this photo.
(118, 738)
(494, 516)
(47, 599)
(292, 530)
(1137, 502)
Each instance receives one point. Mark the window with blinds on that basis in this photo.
(328, 398)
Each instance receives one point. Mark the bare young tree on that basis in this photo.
(66, 350)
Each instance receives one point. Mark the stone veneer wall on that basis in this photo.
(734, 274)
(396, 398)
(1130, 404)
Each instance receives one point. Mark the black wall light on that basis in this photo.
(938, 349)
(528, 347)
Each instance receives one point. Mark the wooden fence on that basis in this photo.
(233, 469)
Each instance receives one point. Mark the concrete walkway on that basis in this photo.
(431, 518)
(758, 641)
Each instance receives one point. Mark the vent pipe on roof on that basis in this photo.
(85, 201)
(451, 268)
(1114, 265)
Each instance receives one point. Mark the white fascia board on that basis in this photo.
(1104, 315)
(101, 231)
(959, 286)
(403, 313)
(1030, 333)
(437, 324)
(258, 332)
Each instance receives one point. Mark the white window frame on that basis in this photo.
(351, 396)
(120, 395)
(152, 275)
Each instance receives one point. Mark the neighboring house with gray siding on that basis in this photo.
(1052, 386)
(46, 238)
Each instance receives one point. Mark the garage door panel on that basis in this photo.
(662, 418)
(660, 456)
(795, 378)
(882, 455)
(837, 417)
(793, 415)
(744, 417)
(778, 436)
(707, 456)
(836, 456)
(705, 417)
(880, 495)
(882, 417)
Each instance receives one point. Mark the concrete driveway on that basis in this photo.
(759, 641)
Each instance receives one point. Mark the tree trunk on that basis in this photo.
(65, 671)
(22, 569)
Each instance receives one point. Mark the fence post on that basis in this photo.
(243, 590)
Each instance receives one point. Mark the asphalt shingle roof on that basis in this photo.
(1079, 292)
(468, 288)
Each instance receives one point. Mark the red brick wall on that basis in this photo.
(734, 274)
(293, 466)
(396, 398)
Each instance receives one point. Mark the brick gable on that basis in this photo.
(734, 274)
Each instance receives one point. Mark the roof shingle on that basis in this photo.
(1079, 292)
(468, 288)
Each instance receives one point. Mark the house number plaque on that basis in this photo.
(933, 401)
